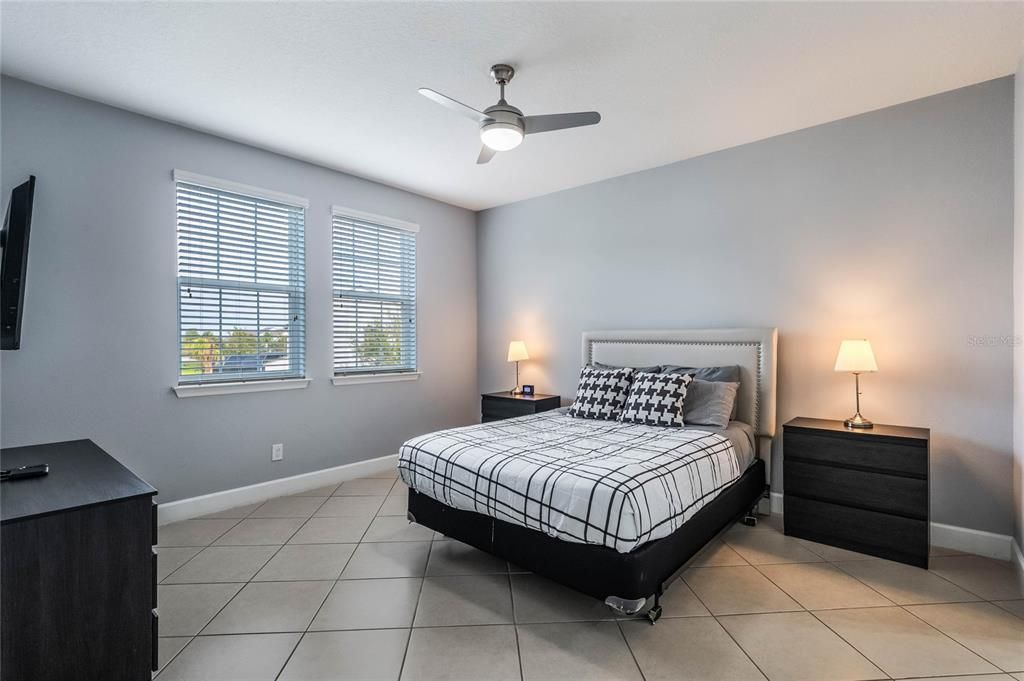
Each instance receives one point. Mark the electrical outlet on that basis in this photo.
(277, 452)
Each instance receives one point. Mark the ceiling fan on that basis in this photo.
(502, 126)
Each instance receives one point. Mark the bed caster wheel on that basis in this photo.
(750, 520)
(654, 614)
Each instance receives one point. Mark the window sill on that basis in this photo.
(356, 379)
(207, 389)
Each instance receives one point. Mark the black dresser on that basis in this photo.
(77, 568)
(505, 405)
(863, 490)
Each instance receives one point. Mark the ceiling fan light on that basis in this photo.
(501, 136)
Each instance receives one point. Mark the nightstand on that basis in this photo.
(505, 405)
(863, 490)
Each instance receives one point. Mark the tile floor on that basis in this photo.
(334, 584)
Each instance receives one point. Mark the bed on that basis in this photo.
(610, 509)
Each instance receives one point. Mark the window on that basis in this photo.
(241, 282)
(374, 282)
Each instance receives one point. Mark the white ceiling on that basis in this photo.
(335, 83)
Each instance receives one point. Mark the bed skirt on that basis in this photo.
(595, 570)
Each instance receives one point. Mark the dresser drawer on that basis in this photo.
(870, 532)
(864, 489)
(874, 453)
(504, 409)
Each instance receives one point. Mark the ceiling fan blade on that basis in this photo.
(560, 121)
(486, 154)
(454, 105)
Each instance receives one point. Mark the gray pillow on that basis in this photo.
(726, 374)
(656, 369)
(709, 403)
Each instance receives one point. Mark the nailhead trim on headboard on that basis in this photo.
(754, 344)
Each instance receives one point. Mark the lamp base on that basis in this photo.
(516, 391)
(858, 421)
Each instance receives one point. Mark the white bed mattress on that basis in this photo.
(598, 482)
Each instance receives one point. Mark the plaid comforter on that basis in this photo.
(581, 480)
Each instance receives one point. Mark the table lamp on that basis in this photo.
(855, 357)
(517, 352)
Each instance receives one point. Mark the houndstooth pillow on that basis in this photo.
(656, 399)
(601, 393)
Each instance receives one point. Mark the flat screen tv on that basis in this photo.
(14, 241)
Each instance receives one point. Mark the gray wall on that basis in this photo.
(895, 225)
(1018, 313)
(99, 352)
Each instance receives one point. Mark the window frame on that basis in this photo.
(361, 376)
(291, 380)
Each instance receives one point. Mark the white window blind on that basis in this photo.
(374, 282)
(241, 284)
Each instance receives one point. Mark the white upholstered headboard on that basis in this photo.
(753, 349)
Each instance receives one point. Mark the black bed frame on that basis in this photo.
(625, 581)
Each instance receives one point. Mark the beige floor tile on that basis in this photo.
(396, 528)
(196, 532)
(347, 656)
(568, 651)
(834, 553)
(369, 604)
(943, 551)
(359, 507)
(231, 658)
(991, 632)
(303, 562)
(222, 564)
(973, 677)
(734, 590)
(462, 654)
(260, 532)
(794, 645)
(1016, 607)
(901, 645)
(238, 512)
(390, 473)
(1020, 677)
(288, 507)
(364, 487)
(186, 608)
(765, 547)
(395, 505)
(265, 607)
(399, 488)
(341, 530)
(821, 586)
(679, 601)
(387, 559)
(450, 557)
(464, 600)
(991, 579)
(540, 600)
(325, 491)
(905, 584)
(170, 558)
(168, 647)
(695, 649)
(717, 553)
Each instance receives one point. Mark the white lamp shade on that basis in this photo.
(855, 356)
(517, 351)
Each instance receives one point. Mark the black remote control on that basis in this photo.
(24, 472)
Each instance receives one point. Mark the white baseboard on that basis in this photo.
(194, 507)
(1018, 563)
(964, 539)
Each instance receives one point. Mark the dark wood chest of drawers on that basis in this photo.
(505, 405)
(863, 490)
(77, 568)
